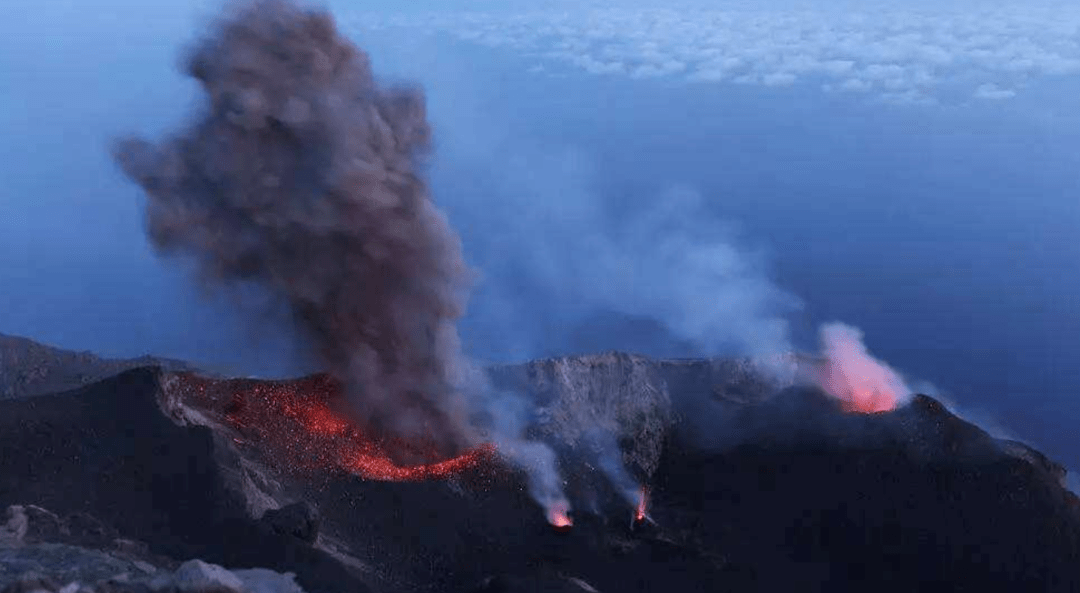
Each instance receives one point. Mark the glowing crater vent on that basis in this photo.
(641, 511)
(559, 517)
(862, 383)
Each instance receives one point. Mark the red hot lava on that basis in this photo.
(297, 424)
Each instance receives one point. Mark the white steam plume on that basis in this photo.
(849, 373)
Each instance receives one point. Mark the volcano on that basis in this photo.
(798, 493)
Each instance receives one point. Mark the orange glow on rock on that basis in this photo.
(559, 518)
(869, 402)
(379, 467)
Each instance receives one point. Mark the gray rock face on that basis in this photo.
(630, 397)
(37, 540)
(64, 564)
(196, 576)
(616, 395)
(261, 580)
(37, 555)
(52, 568)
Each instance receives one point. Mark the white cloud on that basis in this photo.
(654, 70)
(707, 75)
(898, 55)
(992, 91)
(594, 66)
(778, 79)
(855, 84)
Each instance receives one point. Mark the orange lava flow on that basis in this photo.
(295, 424)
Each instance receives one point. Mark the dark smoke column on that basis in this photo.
(304, 176)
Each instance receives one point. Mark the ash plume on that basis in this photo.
(304, 176)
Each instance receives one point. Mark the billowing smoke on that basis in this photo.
(861, 382)
(305, 177)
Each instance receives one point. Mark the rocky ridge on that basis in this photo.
(797, 496)
(29, 368)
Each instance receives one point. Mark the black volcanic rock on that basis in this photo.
(536, 583)
(797, 495)
(28, 368)
(108, 451)
(299, 520)
(914, 499)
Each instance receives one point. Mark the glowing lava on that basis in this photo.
(862, 383)
(559, 518)
(296, 425)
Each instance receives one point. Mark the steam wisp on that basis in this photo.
(849, 373)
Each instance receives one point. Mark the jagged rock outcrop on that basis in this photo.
(583, 398)
(630, 396)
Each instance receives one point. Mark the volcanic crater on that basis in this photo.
(801, 494)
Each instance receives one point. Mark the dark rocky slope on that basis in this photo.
(798, 496)
(28, 368)
(109, 452)
(915, 499)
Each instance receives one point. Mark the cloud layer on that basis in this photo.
(896, 56)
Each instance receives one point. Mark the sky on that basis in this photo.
(695, 179)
